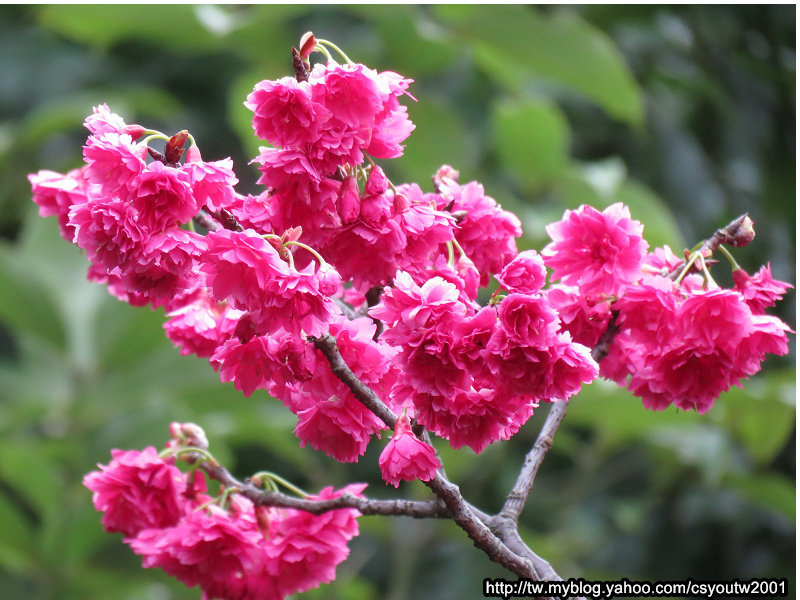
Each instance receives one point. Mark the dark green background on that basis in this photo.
(687, 114)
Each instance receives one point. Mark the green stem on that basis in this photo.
(689, 262)
(734, 265)
(321, 260)
(459, 248)
(204, 453)
(155, 136)
(707, 273)
(277, 478)
(451, 258)
(320, 48)
(337, 49)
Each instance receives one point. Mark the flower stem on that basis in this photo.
(321, 260)
(734, 265)
(689, 262)
(320, 48)
(337, 49)
(274, 477)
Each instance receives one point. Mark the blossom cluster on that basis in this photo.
(393, 273)
(226, 545)
(680, 338)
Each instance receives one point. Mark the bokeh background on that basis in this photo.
(687, 114)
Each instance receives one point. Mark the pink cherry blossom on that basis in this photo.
(136, 491)
(163, 196)
(528, 320)
(205, 547)
(284, 113)
(201, 325)
(109, 231)
(526, 273)
(348, 93)
(760, 291)
(585, 319)
(103, 120)
(304, 549)
(114, 161)
(212, 182)
(56, 194)
(600, 252)
(406, 457)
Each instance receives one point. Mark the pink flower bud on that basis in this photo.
(377, 182)
(348, 204)
(401, 204)
(193, 154)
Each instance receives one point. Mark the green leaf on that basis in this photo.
(558, 47)
(168, 25)
(531, 139)
(761, 414)
(439, 138)
(25, 303)
(769, 490)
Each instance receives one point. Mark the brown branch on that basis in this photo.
(446, 491)
(515, 501)
(366, 506)
(363, 393)
(737, 233)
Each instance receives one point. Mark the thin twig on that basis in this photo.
(515, 501)
(410, 508)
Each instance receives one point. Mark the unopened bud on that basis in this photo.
(174, 147)
(401, 203)
(135, 131)
(744, 234)
(348, 204)
(307, 44)
(291, 235)
(262, 518)
(195, 436)
(445, 172)
(377, 183)
(193, 155)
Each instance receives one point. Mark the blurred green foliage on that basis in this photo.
(684, 113)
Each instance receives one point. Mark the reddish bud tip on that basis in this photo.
(135, 131)
(307, 44)
(744, 233)
(174, 147)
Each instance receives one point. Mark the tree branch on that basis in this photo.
(518, 495)
(410, 508)
(476, 529)
(363, 393)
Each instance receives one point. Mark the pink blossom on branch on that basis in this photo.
(599, 252)
(406, 457)
(137, 491)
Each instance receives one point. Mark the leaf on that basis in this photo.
(769, 490)
(761, 414)
(25, 303)
(439, 138)
(559, 47)
(531, 139)
(168, 25)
